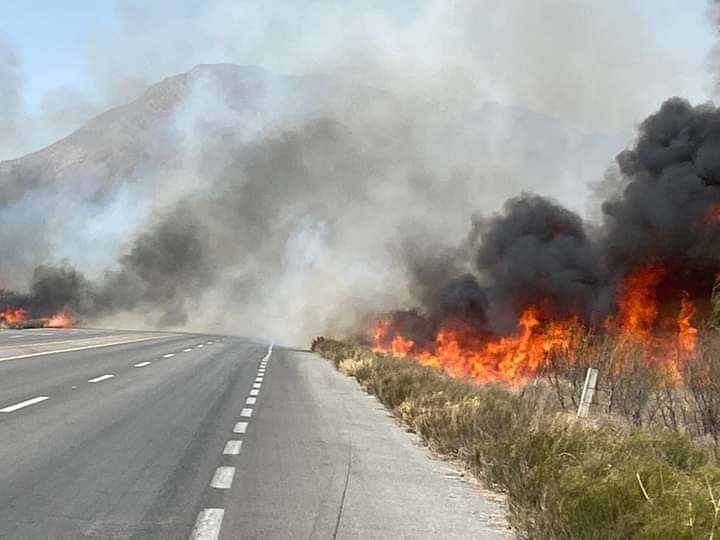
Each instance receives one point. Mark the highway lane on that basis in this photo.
(196, 436)
(41, 335)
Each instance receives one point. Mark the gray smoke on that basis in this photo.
(235, 199)
(10, 104)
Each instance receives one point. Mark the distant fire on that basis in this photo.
(712, 214)
(61, 319)
(14, 317)
(464, 351)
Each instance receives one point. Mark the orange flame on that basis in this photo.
(20, 317)
(464, 351)
(62, 319)
(687, 333)
(638, 306)
(712, 214)
(13, 315)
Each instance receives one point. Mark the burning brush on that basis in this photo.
(19, 318)
(541, 286)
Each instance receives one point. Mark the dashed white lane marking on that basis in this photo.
(223, 477)
(101, 378)
(142, 364)
(232, 448)
(258, 379)
(15, 337)
(200, 346)
(257, 385)
(240, 427)
(254, 392)
(251, 401)
(23, 404)
(207, 525)
(246, 412)
(168, 355)
(210, 342)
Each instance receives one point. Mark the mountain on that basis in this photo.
(144, 136)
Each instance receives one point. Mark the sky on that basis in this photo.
(78, 57)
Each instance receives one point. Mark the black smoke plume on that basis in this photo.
(537, 253)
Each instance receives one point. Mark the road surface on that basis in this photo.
(113, 434)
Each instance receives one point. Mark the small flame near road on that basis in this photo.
(20, 318)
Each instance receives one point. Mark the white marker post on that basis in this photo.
(587, 393)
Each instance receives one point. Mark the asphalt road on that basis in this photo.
(149, 435)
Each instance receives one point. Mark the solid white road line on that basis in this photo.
(23, 404)
(223, 477)
(232, 448)
(246, 412)
(207, 525)
(240, 427)
(254, 392)
(142, 364)
(257, 385)
(251, 401)
(73, 349)
(101, 378)
(168, 355)
(187, 350)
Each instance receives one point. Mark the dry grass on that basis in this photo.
(621, 476)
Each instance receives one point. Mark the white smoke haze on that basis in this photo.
(274, 201)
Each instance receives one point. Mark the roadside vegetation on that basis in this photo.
(643, 466)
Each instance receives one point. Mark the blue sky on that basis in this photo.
(51, 40)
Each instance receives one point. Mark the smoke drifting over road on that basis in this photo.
(234, 199)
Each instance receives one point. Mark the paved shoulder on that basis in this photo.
(322, 459)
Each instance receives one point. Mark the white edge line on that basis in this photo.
(207, 525)
(23, 404)
(73, 349)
